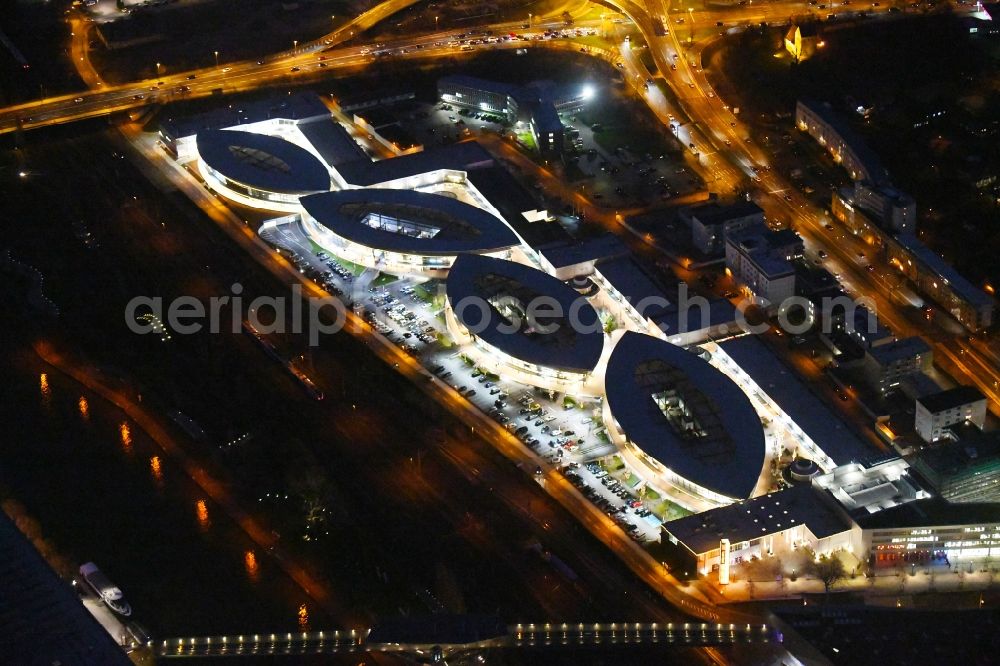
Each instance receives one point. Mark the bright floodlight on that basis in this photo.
(588, 92)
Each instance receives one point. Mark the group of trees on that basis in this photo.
(828, 569)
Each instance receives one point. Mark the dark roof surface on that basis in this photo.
(954, 397)
(757, 517)
(598, 248)
(934, 512)
(898, 350)
(332, 142)
(638, 287)
(263, 162)
(968, 291)
(302, 106)
(574, 345)
(955, 457)
(713, 213)
(868, 158)
(459, 226)
(516, 92)
(729, 457)
(808, 411)
(463, 156)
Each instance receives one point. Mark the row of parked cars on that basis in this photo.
(618, 513)
(334, 268)
(416, 328)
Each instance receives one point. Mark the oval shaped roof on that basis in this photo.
(525, 313)
(683, 412)
(263, 162)
(409, 221)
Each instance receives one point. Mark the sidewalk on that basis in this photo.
(888, 583)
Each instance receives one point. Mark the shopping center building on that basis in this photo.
(682, 424)
(403, 232)
(259, 170)
(524, 324)
(701, 426)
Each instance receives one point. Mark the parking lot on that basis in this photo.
(566, 431)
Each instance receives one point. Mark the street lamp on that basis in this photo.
(529, 19)
(158, 65)
(436, 23)
(216, 58)
(295, 44)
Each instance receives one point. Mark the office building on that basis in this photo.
(964, 467)
(761, 262)
(711, 222)
(885, 366)
(935, 412)
(516, 104)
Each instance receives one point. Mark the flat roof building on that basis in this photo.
(403, 232)
(939, 280)
(178, 133)
(760, 260)
(682, 423)
(935, 412)
(515, 103)
(763, 526)
(633, 296)
(332, 142)
(872, 485)
(357, 100)
(711, 222)
(848, 149)
(526, 324)
(885, 366)
(423, 167)
(965, 468)
(926, 529)
(812, 419)
(259, 170)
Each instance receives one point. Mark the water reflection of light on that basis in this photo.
(154, 467)
(126, 436)
(250, 563)
(202, 510)
(84, 408)
(303, 618)
(43, 386)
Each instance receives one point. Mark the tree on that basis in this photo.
(828, 569)
(315, 490)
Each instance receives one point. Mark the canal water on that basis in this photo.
(102, 491)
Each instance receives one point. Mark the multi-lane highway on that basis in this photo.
(309, 60)
(729, 157)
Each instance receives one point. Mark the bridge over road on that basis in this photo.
(448, 634)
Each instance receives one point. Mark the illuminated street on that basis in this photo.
(546, 333)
